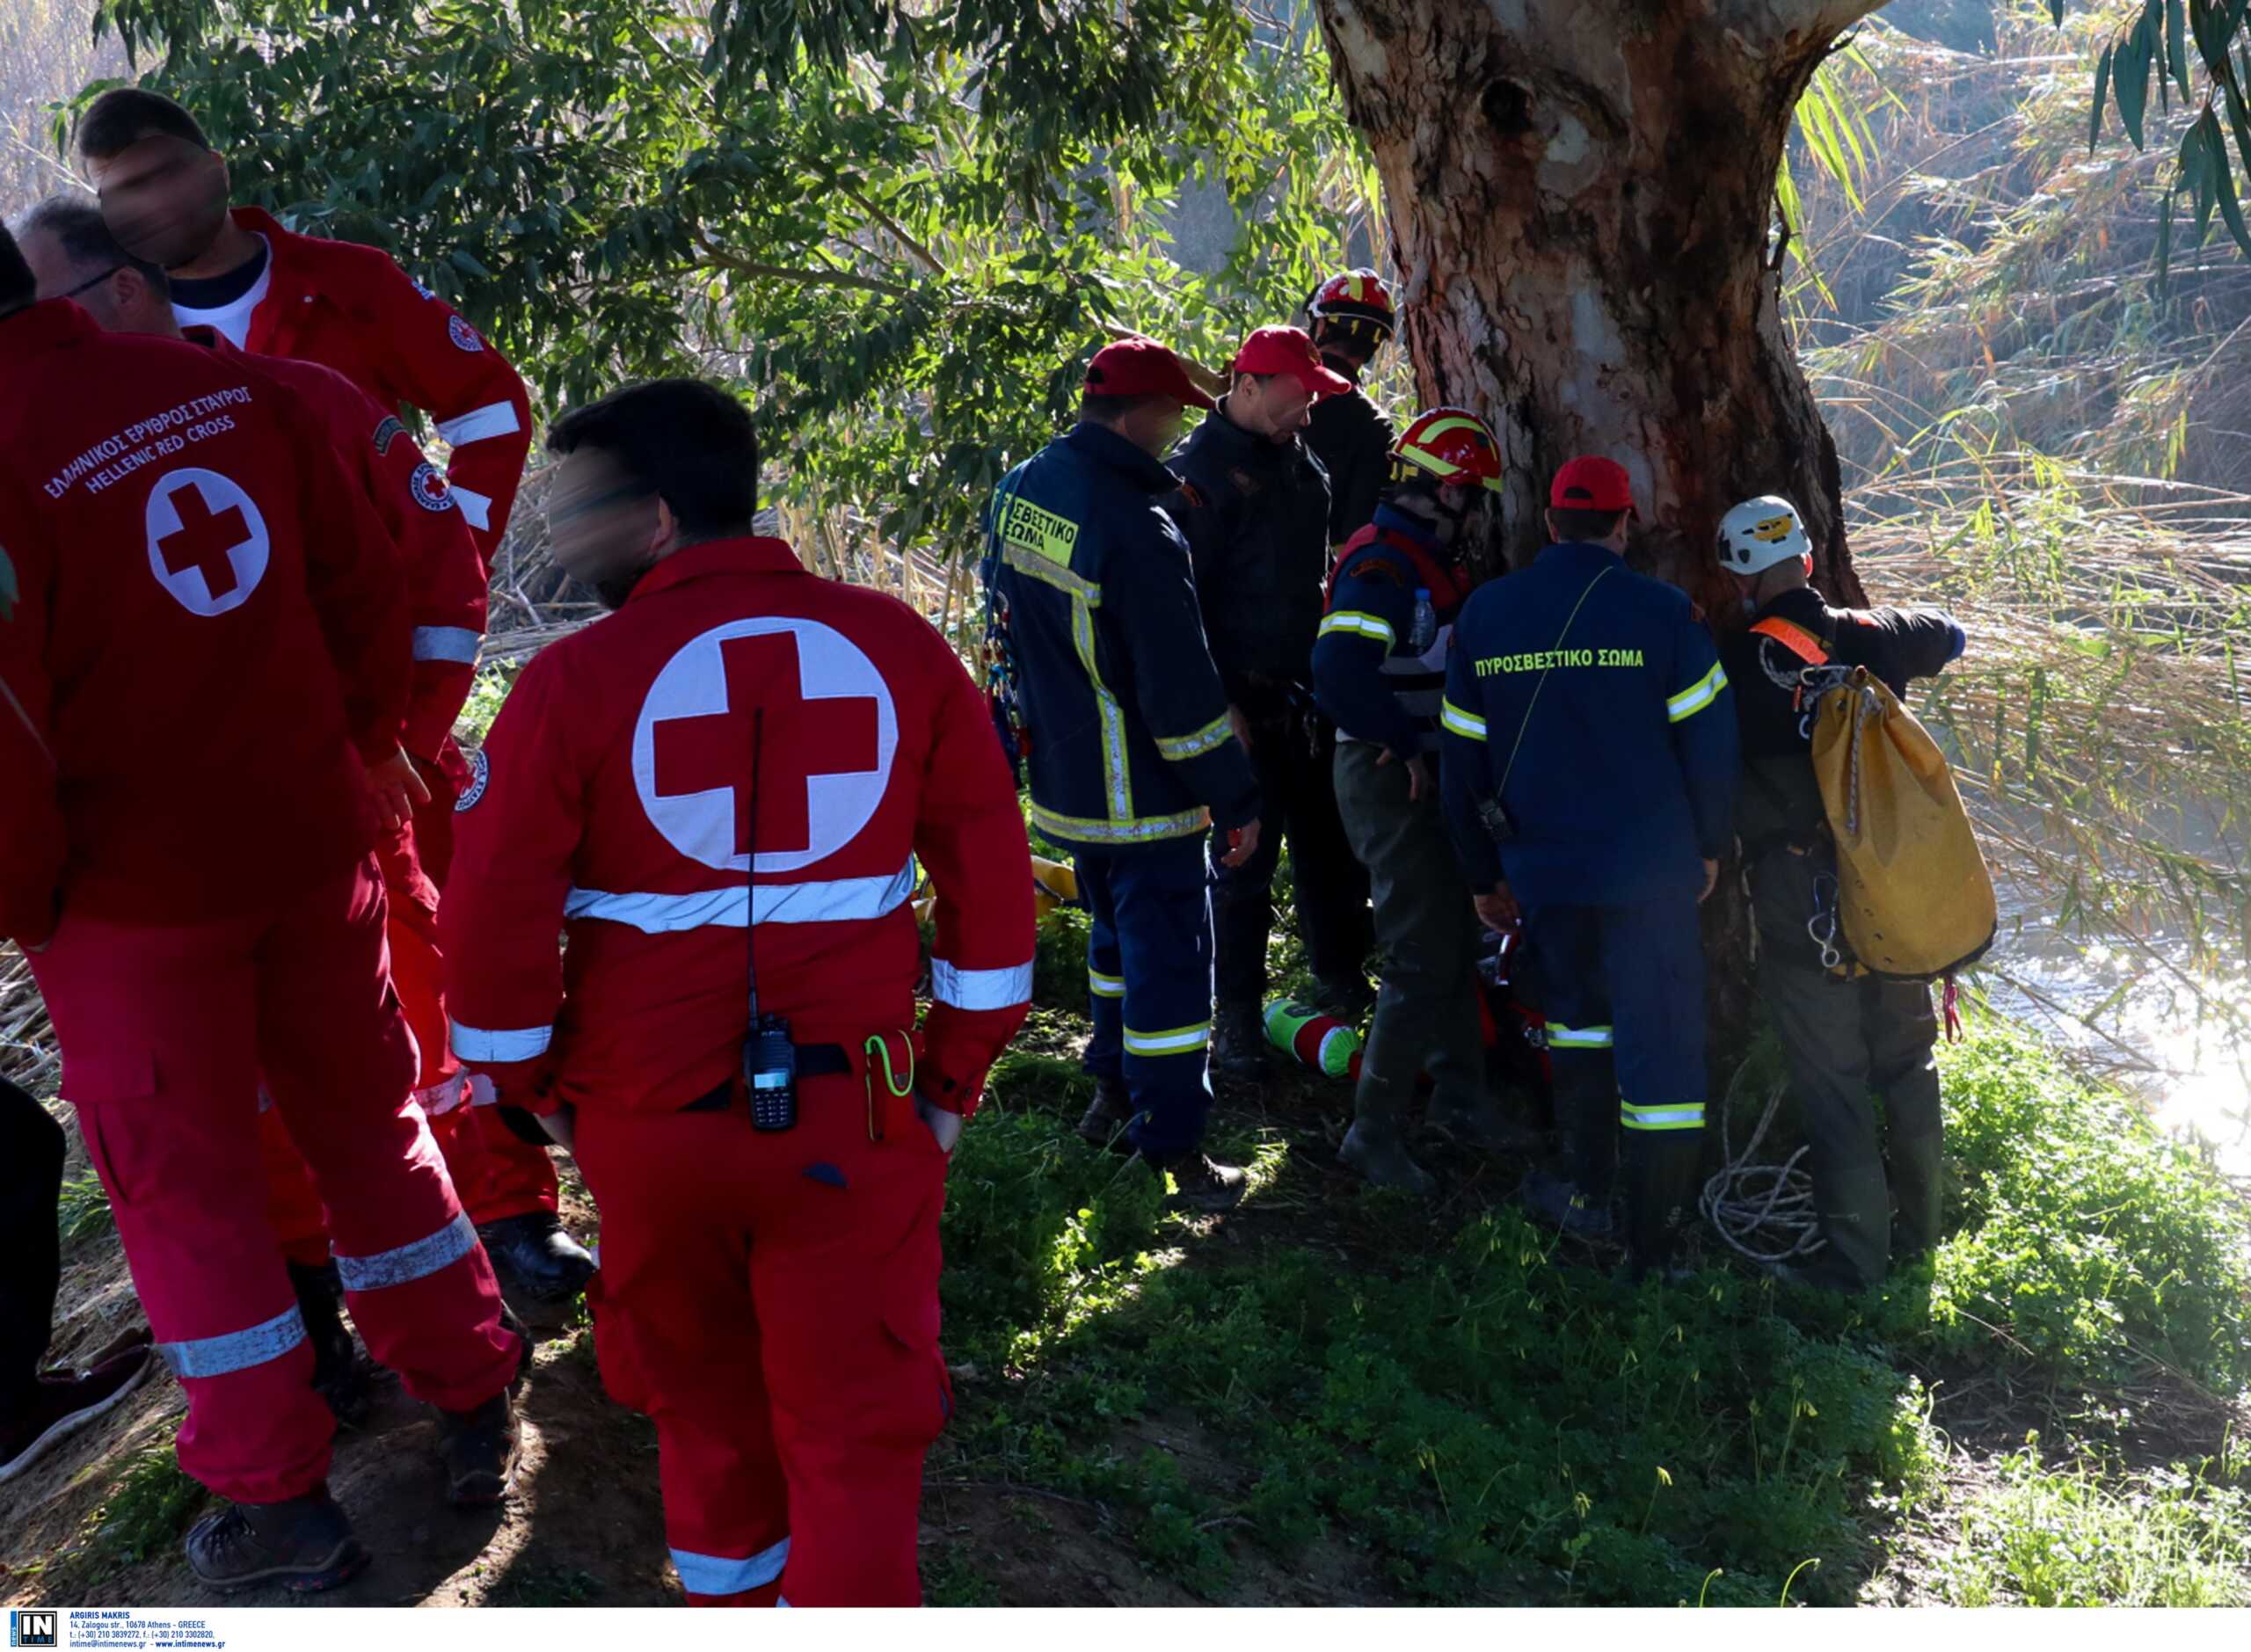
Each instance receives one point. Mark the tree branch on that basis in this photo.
(1768, 23)
(923, 255)
(719, 258)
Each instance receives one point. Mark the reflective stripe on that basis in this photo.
(1697, 694)
(981, 989)
(1577, 1038)
(494, 418)
(1159, 826)
(715, 1574)
(1212, 736)
(1372, 625)
(447, 642)
(476, 508)
(443, 1096)
(1176, 1041)
(1453, 716)
(1119, 782)
(238, 1350)
(403, 1264)
(1104, 986)
(1040, 568)
(1686, 1117)
(507, 1044)
(835, 900)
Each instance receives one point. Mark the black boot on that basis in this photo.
(1103, 1123)
(480, 1448)
(1205, 1184)
(546, 1263)
(1349, 998)
(305, 1545)
(343, 1379)
(1239, 1042)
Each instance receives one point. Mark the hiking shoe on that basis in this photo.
(340, 1377)
(480, 1448)
(305, 1545)
(547, 1262)
(1379, 1156)
(1204, 1184)
(1559, 1204)
(1239, 1042)
(61, 1404)
(1480, 1123)
(1104, 1123)
(1349, 998)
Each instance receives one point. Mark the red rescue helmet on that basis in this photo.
(1449, 444)
(1357, 296)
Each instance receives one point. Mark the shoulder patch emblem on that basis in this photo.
(1382, 568)
(390, 431)
(480, 776)
(429, 489)
(1188, 491)
(463, 335)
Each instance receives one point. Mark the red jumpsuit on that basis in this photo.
(770, 1298)
(351, 308)
(201, 595)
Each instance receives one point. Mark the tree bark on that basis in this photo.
(1580, 201)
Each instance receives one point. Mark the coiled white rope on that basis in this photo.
(1765, 1211)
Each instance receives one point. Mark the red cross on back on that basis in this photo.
(203, 541)
(802, 738)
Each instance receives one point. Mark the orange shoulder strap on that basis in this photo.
(1797, 639)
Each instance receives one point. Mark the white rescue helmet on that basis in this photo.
(1759, 533)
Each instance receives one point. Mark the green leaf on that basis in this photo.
(467, 265)
(2176, 44)
(2129, 78)
(2223, 179)
(2101, 89)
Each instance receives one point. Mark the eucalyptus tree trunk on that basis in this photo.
(1580, 202)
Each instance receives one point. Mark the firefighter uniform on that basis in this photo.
(1256, 517)
(203, 596)
(769, 1297)
(1130, 753)
(1590, 702)
(351, 309)
(1381, 678)
(1842, 1037)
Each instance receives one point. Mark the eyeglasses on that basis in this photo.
(93, 281)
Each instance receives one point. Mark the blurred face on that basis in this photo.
(164, 199)
(1275, 408)
(1154, 426)
(606, 529)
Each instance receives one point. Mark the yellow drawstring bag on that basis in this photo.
(1912, 891)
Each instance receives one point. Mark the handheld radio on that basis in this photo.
(769, 1056)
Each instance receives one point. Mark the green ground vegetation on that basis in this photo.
(1452, 1407)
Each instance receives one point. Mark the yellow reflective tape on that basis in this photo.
(1453, 716)
(1070, 827)
(1048, 574)
(1172, 1041)
(1372, 625)
(1696, 696)
(1212, 735)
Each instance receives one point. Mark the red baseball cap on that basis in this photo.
(1289, 350)
(1142, 366)
(1590, 483)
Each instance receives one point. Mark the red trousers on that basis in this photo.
(771, 1302)
(495, 1174)
(166, 1034)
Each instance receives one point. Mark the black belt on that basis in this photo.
(814, 1061)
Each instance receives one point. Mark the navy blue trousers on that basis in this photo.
(1149, 980)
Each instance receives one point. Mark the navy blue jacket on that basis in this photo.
(1368, 677)
(1126, 726)
(1624, 778)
